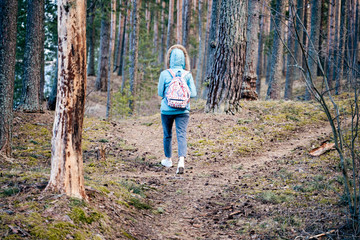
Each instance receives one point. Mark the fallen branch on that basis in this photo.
(325, 146)
(322, 235)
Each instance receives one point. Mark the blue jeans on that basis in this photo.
(181, 123)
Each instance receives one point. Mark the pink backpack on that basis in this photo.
(178, 94)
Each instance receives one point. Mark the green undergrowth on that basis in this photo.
(258, 124)
(27, 212)
(291, 193)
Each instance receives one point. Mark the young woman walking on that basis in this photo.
(177, 68)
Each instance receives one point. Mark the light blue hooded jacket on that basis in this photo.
(177, 64)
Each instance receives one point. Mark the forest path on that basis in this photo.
(190, 206)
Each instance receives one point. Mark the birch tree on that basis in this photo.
(8, 20)
(66, 153)
(228, 66)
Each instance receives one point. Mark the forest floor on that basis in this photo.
(247, 176)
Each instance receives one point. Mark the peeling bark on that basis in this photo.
(8, 19)
(228, 66)
(66, 152)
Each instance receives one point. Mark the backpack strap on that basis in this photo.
(171, 73)
(184, 74)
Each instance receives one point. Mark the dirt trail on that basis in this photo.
(187, 202)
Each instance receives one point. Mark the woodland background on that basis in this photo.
(282, 76)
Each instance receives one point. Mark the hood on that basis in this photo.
(177, 57)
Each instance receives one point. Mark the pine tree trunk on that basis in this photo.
(248, 88)
(135, 26)
(8, 21)
(330, 46)
(170, 23)
(101, 83)
(67, 176)
(162, 45)
(186, 14)
(353, 44)
(212, 42)
(147, 16)
(91, 47)
(110, 60)
(300, 6)
(260, 52)
(179, 24)
(156, 29)
(198, 65)
(125, 37)
(313, 45)
(277, 51)
(228, 67)
(272, 32)
(32, 56)
(205, 46)
(42, 70)
(291, 62)
(340, 60)
(350, 38)
(120, 31)
(51, 104)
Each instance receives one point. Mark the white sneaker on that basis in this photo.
(167, 162)
(180, 167)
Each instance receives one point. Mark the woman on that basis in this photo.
(178, 61)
